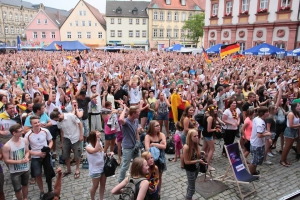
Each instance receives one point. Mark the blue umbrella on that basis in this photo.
(214, 49)
(295, 52)
(264, 49)
(175, 47)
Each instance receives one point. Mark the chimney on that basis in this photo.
(58, 15)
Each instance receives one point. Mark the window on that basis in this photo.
(183, 3)
(45, 21)
(16, 17)
(144, 21)
(70, 23)
(263, 4)
(96, 24)
(0, 29)
(83, 23)
(245, 5)
(168, 33)
(30, 19)
(182, 17)
(176, 16)
(161, 33)
(35, 35)
(169, 16)
(17, 30)
(175, 33)
(228, 7)
(84, 13)
(12, 30)
(69, 35)
(112, 20)
(130, 21)
(53, 35)
(182, 33)
(215, 9)
(242, 46)
(76, 23)
(79, 35)
(119, 21)
(80, 13)
(6, 30)
(112, 33)
(212, 43)
(4, 15)
(21, 18)
(119, 33)
(10, 16)
(161, 16)
(88, 35)
(280, 45)
(99, 34)
(155, 33)
(38, 21)
(137, 33)
(168, 2)
(90, 23)
(144, 34)
(22, 31)
(155, 15)
(43, 35)
(130, 34)
(285, 3)
(137, 21)
(190, 15)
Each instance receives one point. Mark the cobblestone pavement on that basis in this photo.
(275, 181)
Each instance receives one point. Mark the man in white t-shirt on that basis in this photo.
(257, 139)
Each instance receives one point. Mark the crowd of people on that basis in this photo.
(94, 102)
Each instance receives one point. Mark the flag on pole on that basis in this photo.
(229, 49)
(207, 60)
(58, 47)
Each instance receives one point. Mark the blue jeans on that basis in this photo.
(126, 158)
(86, 129)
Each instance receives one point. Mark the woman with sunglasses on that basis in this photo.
(232, 120)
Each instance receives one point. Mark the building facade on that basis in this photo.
(127, 24)
(15, 16)
(44, 28)
(166, 19)
(85, 24)
(252, 22)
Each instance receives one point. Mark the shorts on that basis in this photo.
(96, 175)
(162, 116)
(67, 146)
(1, 182)
(19, 179)
(36, 167)
(110, 136)
(143, 114)
(54, 131)
(247, 145)
(290, 133)
(183, 138)
(209, 138)
(119, 136)
(257, 155)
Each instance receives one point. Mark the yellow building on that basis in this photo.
(166, 19)
(85, 24)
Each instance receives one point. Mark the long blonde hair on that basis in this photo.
(193, 146)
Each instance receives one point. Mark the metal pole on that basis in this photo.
(169, 42)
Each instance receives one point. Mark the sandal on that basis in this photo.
(224, 155)
(287, 163)
(32, 181)
(76, 175)
(171, 159)
(283, 163)
(66, 173)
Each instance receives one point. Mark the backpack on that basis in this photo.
(170, 149)
(131, 190)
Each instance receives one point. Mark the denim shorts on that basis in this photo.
(209, 138)
(257, 155)
(110, 136)
(36, 167)
(19, 179)
(290, 133)
(183, 138)
(96, 175)
(162, 116)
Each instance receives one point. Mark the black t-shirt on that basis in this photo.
(247, 106)
(84, 105)
(271, 121)
(205, 133)
(119, 96)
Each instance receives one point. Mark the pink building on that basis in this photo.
(44, 28)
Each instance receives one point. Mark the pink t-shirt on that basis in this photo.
(248, 129)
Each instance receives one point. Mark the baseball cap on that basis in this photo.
(294, 81)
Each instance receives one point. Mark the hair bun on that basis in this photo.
(55, 109)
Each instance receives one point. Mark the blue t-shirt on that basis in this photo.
(43, 119)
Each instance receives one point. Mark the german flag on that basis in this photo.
(58, 47)
(238, 56)
(229, 49)
(207, 60)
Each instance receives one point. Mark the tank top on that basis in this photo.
(205, 133)
(191, 167)
(162, 107)
(295, 121)
(17, 153)
(96, 161)
(145, 110)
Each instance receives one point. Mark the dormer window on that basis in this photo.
(119, 10)
(168, 2)
(183, 2)
(134, 11)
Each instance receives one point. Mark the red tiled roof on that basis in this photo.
(176, 4)
(97, 14)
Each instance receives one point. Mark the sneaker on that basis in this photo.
(41, 195)
(273, 152)
(256, 173)
(211, 168)
(268, 162)
(270, 154)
